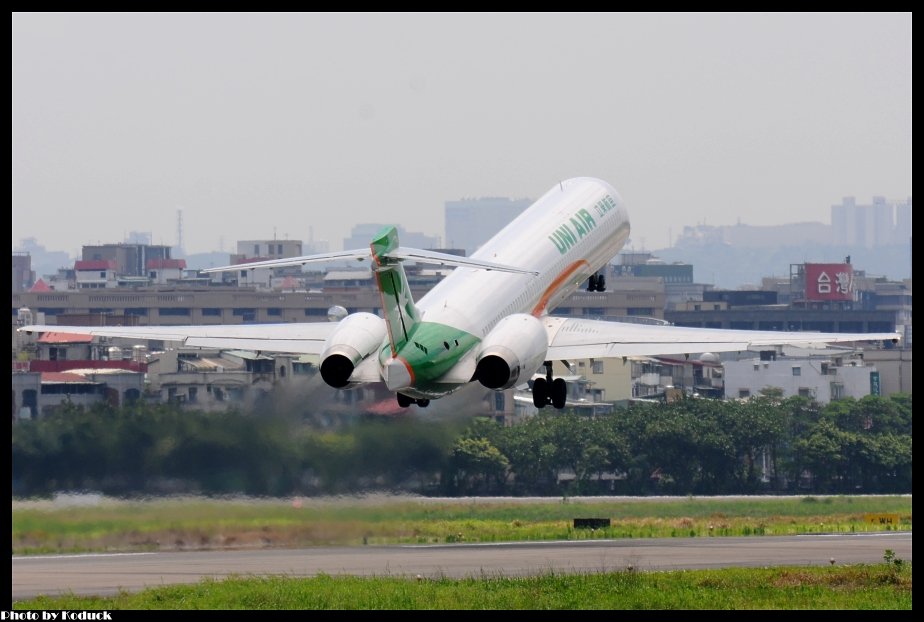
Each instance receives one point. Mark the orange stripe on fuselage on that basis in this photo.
(556, 285)
(410, 369)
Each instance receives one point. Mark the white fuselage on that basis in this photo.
(566, 236)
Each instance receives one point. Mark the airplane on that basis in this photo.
(488, 320)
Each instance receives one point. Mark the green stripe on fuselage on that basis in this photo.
(427, 353)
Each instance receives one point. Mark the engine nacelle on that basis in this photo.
(357, 336)
(512, 352)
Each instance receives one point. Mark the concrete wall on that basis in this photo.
(796, 377)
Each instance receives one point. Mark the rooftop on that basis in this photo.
(62, 338)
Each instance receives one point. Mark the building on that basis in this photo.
(163, 271)
(786, 318)
(822, 297)
(63, 280)
(260, 250)
(238, 305)
(624, 299)
(95, 274)
(64, 346)
(636, 291)
(667, 378)
(251, 251)
(677, 277)
(348, 280)
(213, 379)
(38, 394)
(880, 223)
(740, 297)
(821, 378)
(126, 259)
(43, 262)
(53, 352)
(636, 264)
(582, 396)
(894, 366)
(361, 236)
(23, 275)
(881, 294)
(612, 378)
(471, 222)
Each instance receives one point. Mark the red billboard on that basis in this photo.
(828, 281)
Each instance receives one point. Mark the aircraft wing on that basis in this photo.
(571, 338)
(296, 338)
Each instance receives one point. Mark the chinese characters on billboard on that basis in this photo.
(828, 281)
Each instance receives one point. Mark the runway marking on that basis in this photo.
(892, 534)
(855, 535)
(514, 543)
(80, 555)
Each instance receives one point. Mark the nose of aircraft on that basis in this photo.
(397, 374)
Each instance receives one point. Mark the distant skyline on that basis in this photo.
(263, 125)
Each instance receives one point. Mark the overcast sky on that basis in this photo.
(258, 125)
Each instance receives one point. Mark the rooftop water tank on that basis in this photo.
(24, 316)
(139, 353)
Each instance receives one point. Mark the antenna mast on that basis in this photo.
(179, 230)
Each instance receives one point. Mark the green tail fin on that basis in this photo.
(400, 313)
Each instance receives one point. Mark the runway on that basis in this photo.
(106, 574)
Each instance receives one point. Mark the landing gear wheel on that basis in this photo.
(601, 283)
(404, 401)
(559, 393)
(540, 393)
(592, 283)
(423, 403)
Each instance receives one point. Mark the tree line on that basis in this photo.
(764, 445)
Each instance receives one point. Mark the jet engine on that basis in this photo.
(512, 352)
(357, 336)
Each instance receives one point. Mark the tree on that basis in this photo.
(476, 461)
(824, 452)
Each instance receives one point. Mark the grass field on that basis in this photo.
(72, 525)
(880, 586)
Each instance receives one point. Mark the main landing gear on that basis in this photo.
(596, 283)
(405, 401)
(548, 391)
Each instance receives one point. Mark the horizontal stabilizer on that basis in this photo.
(358, 255)
(400, 254)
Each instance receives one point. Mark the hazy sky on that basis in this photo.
(263, 124)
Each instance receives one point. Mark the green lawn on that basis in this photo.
(166, 524)
(881, 586)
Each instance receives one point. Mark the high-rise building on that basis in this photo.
(23, 275)
(902, 221)
(882, 223)
(471, 222)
